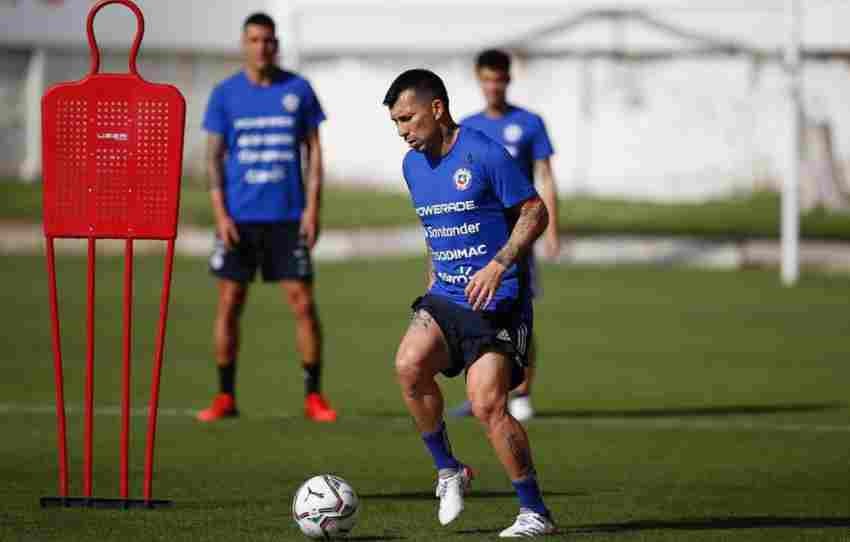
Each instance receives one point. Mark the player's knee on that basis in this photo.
(301, 303)
(303, 309)
(408, 368)
(489, 410)
(231, 302)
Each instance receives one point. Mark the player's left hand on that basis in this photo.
(309, 229)
(483, 285)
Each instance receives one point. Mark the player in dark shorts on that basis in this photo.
(267, 217)
(524, 136)
(480, 216)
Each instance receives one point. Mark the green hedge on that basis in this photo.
(755, 215)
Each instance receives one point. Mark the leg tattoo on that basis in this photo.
(413, 392)
(521, 453)
(421, 319)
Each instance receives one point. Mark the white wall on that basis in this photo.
(668, 131)
(681, 130)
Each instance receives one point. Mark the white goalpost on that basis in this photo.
(790, 268)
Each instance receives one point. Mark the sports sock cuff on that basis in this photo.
(440, 448)
(227, 378)
(529, 494)
(312, 378)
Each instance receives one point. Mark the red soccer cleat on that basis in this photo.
(317, 409)
(223, 406)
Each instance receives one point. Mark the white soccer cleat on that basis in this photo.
(529, 524)
(450, 491)
(520, 408)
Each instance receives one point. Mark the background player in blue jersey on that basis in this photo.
(524, 136)
(480, 216)
(256, 121)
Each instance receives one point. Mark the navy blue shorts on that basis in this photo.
(276, 248)
(469, 334)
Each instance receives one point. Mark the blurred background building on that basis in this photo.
(672, 100)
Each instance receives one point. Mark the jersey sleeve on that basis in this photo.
(215, 117)
(541, 146)
(510, 184)
(312, 112)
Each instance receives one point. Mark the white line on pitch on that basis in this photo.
(617, 423)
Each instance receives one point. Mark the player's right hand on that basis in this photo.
(483, 285)
(551, 246)
(227, 232)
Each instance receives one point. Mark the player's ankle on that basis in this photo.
(312, 378)
(448, 472)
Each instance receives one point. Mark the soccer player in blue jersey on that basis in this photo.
(523, 134)
(480, 215)
(256, 122)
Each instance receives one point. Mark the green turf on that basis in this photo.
(756, 215)
(674, 405)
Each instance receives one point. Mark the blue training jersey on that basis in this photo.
(522, 132)
(461, 199)
(263, 128)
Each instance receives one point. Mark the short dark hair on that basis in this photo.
(495, 59)
(259, 19)
(425, 83)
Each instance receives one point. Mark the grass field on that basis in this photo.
(755, 215)
(674, 405)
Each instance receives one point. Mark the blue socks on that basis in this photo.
(529, 494)
(440, 448)
(527, 489)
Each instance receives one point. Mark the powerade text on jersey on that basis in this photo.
(461, 200)
(263, 128)
(521, 132)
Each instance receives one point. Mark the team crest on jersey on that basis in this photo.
(512, 133)
(463, 178)
(291, 102)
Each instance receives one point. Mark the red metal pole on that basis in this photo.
(57, 369)
(157, 370)
(89, 389)
(125, 387)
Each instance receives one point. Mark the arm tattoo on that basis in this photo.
(520, 453)
(533, 219)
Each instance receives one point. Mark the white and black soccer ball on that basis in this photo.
(325, 507)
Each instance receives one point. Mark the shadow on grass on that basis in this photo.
(429, 495)
(703, 524)
(366, 537)
(707, 411)
(481, 531)
(692, 524)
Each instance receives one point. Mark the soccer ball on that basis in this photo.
(325, 507)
